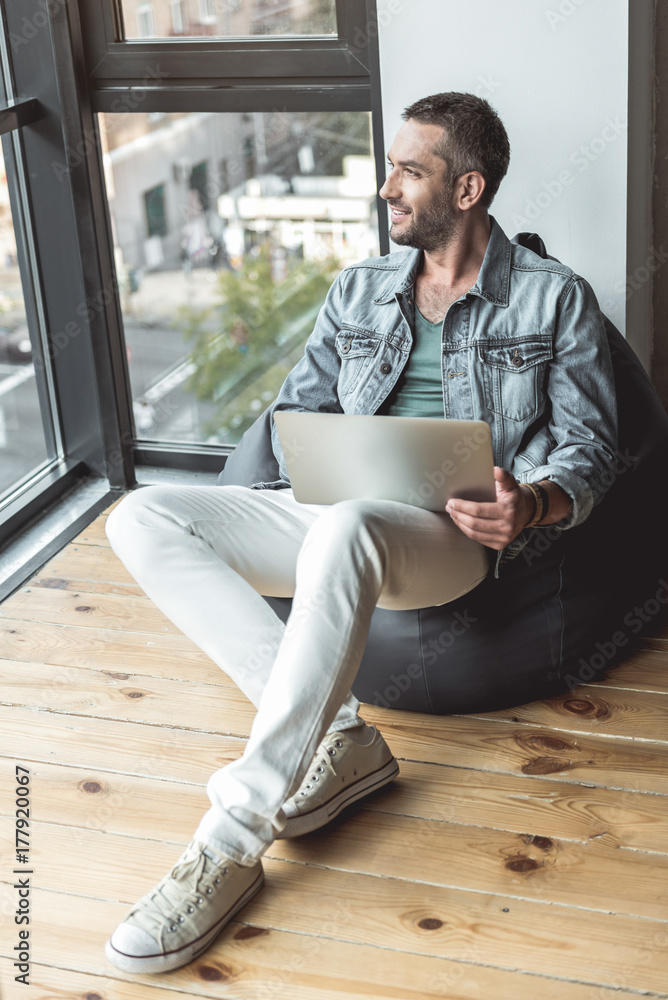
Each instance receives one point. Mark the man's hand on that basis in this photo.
(494, 524)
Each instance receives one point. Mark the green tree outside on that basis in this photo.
(243, 347)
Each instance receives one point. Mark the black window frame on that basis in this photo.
(268, 69)
(283, 73)
(67, 300)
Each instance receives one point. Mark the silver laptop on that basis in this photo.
(422, 461)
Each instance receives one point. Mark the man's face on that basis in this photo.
(418, 190)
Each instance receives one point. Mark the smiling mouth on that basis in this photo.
(398, 213)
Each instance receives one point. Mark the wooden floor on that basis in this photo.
(520, 855)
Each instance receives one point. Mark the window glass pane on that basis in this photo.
(228, 18)
(223, 271)
(23, 442)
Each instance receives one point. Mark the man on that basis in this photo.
(462, 325)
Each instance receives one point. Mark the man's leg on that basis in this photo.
(204, 555)
(355, 555)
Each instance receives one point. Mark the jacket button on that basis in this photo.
(345, 348)
(385, 368)
(518, 361)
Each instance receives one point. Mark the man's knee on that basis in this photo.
(346, 524)
(134, 509)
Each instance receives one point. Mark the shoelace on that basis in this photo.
(327, 761)
(168, 900)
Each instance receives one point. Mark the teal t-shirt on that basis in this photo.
(419, 388)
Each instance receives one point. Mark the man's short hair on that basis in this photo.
(475, 137)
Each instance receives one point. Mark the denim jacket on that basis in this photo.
(524, 349)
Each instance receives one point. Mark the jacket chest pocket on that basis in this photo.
(514, 374)
(355, 350)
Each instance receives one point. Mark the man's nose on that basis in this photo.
(390, 187)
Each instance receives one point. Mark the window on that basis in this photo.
(218, 306)
(145, 22)
(63, 422)
(198, 183)
(207, 12)
(236, 18)
(154, 204)
(223, 176)
(178, 20)
(239, 177)
(27, 439)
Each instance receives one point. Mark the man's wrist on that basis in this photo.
(530, 504)
(541, 504)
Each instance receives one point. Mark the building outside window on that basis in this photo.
(145, 21)
(154, 202)
(230, 18)
(178, 20)
(207, 11)
(218, 301)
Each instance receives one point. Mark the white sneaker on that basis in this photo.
(341, 772)
(178, 919)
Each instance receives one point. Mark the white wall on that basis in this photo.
(557, 73)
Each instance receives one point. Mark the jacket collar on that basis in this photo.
(492, 284)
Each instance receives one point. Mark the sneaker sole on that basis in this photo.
(181, 956)
(303, 823)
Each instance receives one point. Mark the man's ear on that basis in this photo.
(469, 189)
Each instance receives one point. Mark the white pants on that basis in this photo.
(205, 554)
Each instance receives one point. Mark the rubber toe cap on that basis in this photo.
(133, 941)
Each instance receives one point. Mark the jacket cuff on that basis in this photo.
(580, 492)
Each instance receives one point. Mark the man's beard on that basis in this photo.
(433, 229)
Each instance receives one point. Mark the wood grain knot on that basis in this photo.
(522, 864)
(542, 843)
(134, 694)
(430, 923)
(92, 787)
(249, 932)
(546, 765)
(549, 743)
(591, 709)
(52, 583)
(92, 996)
(213, 973)
(84, 607)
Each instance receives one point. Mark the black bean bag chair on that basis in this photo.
(560, 614)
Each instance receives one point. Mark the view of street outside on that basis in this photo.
(228, 231)
(227, 18)
(22, 441)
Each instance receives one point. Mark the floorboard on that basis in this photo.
(519, 854)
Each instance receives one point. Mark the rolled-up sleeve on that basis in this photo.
(583, 414)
